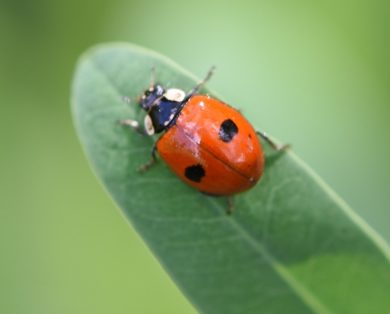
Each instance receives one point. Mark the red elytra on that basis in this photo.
(212, 147)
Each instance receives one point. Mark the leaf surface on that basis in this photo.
(292, 245)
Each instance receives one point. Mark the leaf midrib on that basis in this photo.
(309, 299)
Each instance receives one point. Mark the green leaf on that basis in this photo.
(292, 245)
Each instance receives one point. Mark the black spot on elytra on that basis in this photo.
(227, 130)
(195, 173)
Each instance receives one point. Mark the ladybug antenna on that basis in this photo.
(152, 77)
(200, 85)
(208, 76)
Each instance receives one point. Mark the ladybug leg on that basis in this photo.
(134, 125)
(153, 159)
(230, 207)
(198, 86)
(126, 100)
(275, 146)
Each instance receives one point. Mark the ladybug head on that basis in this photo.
(150, 96)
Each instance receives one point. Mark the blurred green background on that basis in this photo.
(314, 74)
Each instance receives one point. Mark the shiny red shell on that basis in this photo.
(194, 149)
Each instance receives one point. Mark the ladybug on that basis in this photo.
(206, 142)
